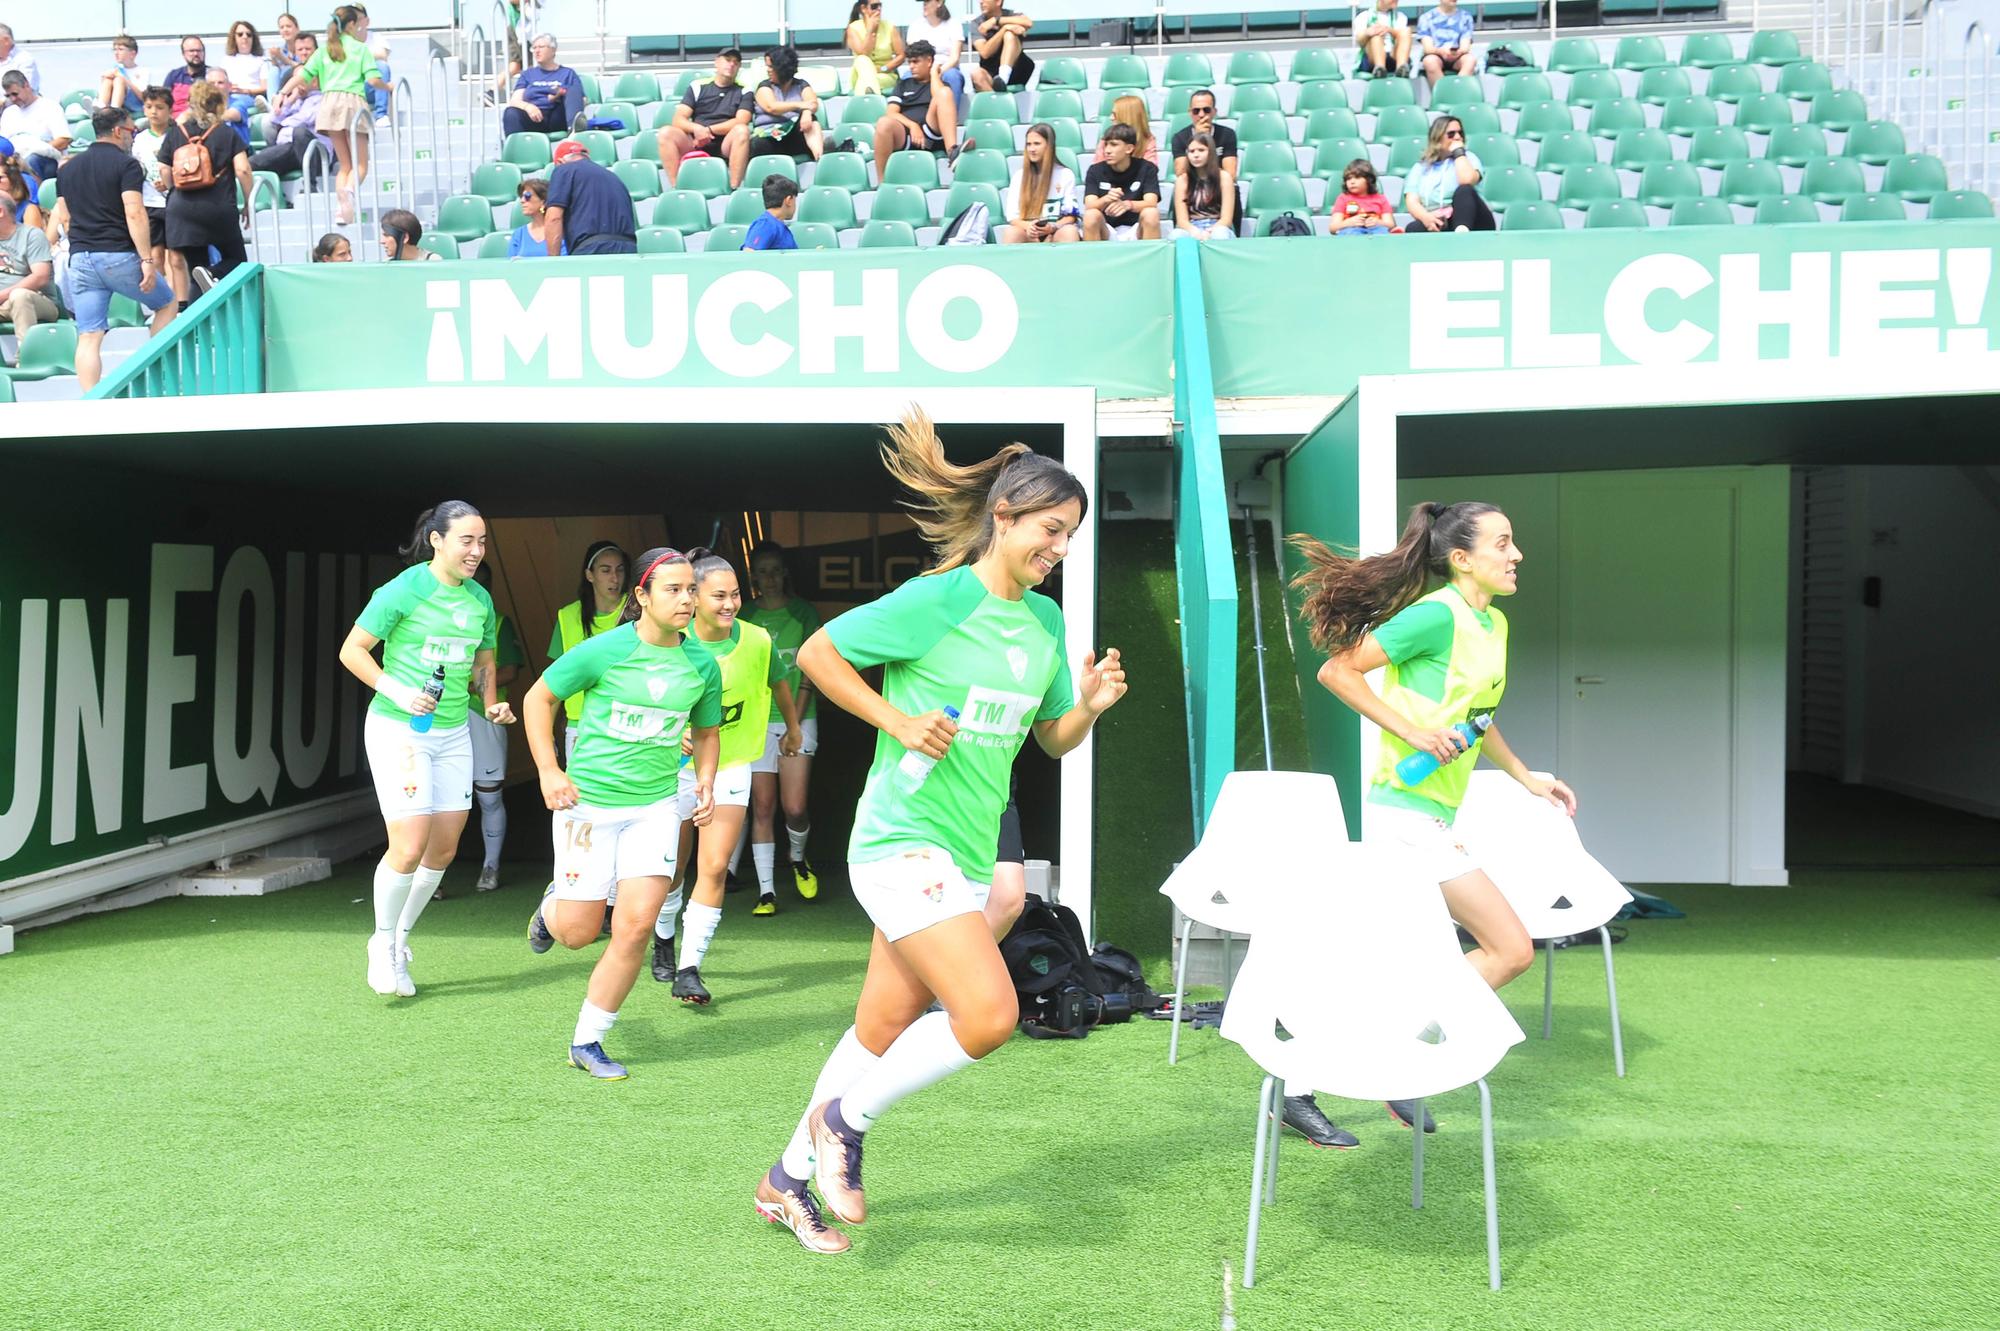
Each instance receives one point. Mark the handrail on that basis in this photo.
(405, 144)
(437, 89)
(1976, 30)
(475, 40)
(316, 161)
(374, 175)
(257, 187)
(216, 346)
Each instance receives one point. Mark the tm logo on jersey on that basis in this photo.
(992, 712)
(449, 651)
(644, 725)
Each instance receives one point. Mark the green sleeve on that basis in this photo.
(316, 66)
(507, 651)
(1060, 697)
(808, 617)
(707, 712)
(908, 622)
(385, 609)
(573, 672)
(774, 665)
(489, 636)
(369, 69)
(555, 640)
(1423, 629)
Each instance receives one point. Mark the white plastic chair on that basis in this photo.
(1267, 829)
(1531, 851)
(1376, 1002)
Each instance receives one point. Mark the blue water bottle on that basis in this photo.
(916, 765)
(435, 689)
(1421, 764)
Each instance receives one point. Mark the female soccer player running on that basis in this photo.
(617, 807)
(430, 618)
(783, 775)
(1446, 659)
(750, 678)
(972, 637)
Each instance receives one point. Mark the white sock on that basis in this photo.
(669, 912)
(390, 889)
(1006, 77)
(797, 837)
(592, 1024)
(701, 922)
(742, 840)
(926, 1053)
(492, 824)
(849, 1059)
(422, 884)
(765, 855)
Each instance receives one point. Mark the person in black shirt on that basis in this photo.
(99, 199)
(713, 117)
(1121, 194)
(1201, 106)
(996, 37)
(589, 208)
(922, 112)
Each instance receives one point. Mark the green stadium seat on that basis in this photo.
(1478, 117)
(1594, 86)
(1774, 46)
(1331, 156)
(1262, 127)
(729, 238)
(999, 106)
(1916, 177)
(1960, 205)
(1248, 67)
(6, 390)
(1056, 104)
(1662, 84)
(965, 193)
(743, 205)
(1610, 119)
(912, 167)
(1524, 89)
(816, 236)
(1383, 93)
(864, 110)
(1317, 63)
(1404, 153)
(625, 113)
(1785, 209)
(1701, 212)
(880, 234)
(848, 171)
(1838, 109)
(1125, 72)
(1873, 208)
(1805, 80)
(1063, 71)
(1507, 187)
(441, 243)
(1322, 95)
(1456, 90)
(45, 351)
(1634, 149)
(1564, 149)
(1586, 182)
(1494, 149)
(1532, 215)
(1764, 112)
(1877, 142)
(706, 176)
(1832, 180)
(990, 133)
(661, 240)
(1331, 122)
(1686, 116)
(1520, 48)
(1255, 97)
(493, 245)
(760, 169)
(1401, 122)
(687, 78)
(1706, 50)
(1717, 146)
(637, 87)
(1069, 133)
(1732, 83)
(1188, 69)
(1541, 119)
(640, 179)
(591, 91)
(982, 166)
(1640, 53)
(1663, 184)
(1276, 194)
(603, 149)
(1795, 145)
(1265, 159)
(530, 152)
(1573, 55)
(827, 203)
(683, 210)
(1750, 183)
(498, 183)
(1612, 214)
(463, 217)
(901, 203)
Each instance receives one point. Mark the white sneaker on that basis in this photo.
(489, 878)
(400, 967)
(381, 971)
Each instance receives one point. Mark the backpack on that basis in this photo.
(970, 227)
(1051, 970)
(1288, 224)
(1502, 57)
(193, 168)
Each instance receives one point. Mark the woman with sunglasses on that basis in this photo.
(1441, 191)
(877, 48)
(530, 239)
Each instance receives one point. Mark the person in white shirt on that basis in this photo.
(13, 57)
(245, 66)
(947, 37)
(35, 123)
(123, 84)
(1041, 202)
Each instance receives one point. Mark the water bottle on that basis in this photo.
(916, 765)
(434, 690)
(1421, 764)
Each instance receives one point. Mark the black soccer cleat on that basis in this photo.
(663, 959)
(1404, 1111)
(689, 988)
(1304, 1116)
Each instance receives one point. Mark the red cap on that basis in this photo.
(570, 149)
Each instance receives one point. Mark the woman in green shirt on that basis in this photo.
(601, 586)
(343, 69)
(784, 772)
(971, 639)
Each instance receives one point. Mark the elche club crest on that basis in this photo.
(461, 617)
(1017, 661)
(657, 688)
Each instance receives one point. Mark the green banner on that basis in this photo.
(1048, 316)
(1288, 316)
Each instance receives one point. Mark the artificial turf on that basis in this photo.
(209, 1121)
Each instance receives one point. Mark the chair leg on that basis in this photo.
(1492, 1203)
(1277, 1137)
(1549, 991)
(1417, 1159)
(1264, 1102)
(1611, 987)
(1180, 992)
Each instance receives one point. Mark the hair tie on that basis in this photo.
(669, 557)
(1439, 510)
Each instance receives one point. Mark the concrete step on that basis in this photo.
(253, 876)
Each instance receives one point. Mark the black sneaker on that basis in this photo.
(965, 146)
(1403, 1111)
(1304, 1116)
(844, 146)
(689, 988)
(663, 959)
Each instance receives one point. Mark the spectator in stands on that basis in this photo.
(37, 126)
(786, 116)
(283, 51)
(146, 144)
(1201, 111)
(245, 64)
(996, 37)
(1445, 36)
(1383, 35)
(922, 112)
(333, 248)
(230, 112)
(1441, 191)
(589, 209)
(125, 82)
(27, 269)
(401, 232)
(1121, 194)
(947, 37)
(20, 197)
(548, 99)
(530, 239)
(99, 201)
(713, 117)
(772, 230)
(877, 47)
(291, 128)
(343, 69)
(1205, 196)
(1041, 198)
(1131, 110)
(1361, 209)
(14, 58)
(194, 69)
(201, 217)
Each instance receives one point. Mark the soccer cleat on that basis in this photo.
(795, 1209)
(592, 1059)
(381, 969)
(539, 938)
(1304, 1116)
(663, 959)
(766, 905)
(837, 1165)
(489, 878)
(1403, 1111)
(806, 880)
(689, 988)
(399, 962)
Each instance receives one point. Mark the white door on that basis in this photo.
(1646, 628)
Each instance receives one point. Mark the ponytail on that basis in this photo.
(1345, 596)
(438, 520)
(953, 506)
(342, 17)
(649, 563)
(706, 563)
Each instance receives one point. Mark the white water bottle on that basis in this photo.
(916, 766)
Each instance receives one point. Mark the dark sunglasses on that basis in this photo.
(1454, 133)
(1201, 110)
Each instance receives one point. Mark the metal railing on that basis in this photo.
(403, 144)
(316, 161)
(437, 88)
(216, 346)
(262, 185)
(1974, 43)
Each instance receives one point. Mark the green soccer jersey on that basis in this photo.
(789, 626)
(947, 641)
(749, 668)
(423, 624)
(638, 700)
(507, 651)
